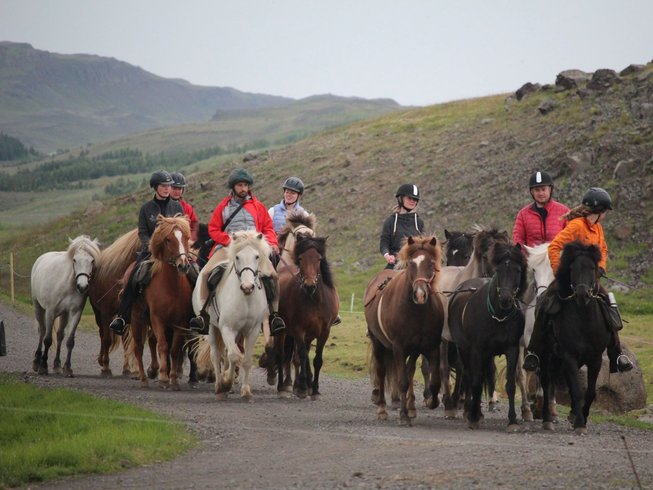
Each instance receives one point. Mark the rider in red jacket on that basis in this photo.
(539, 222)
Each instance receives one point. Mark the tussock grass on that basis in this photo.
(47, 434)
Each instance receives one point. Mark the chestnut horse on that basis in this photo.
(166, 302)
(404, 315)
(309, 305)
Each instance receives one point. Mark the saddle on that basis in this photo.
(143, 275)
(216, 275)
(193, 273)
(381, 281)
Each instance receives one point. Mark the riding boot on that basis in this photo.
(619, 362)
(277, 325)
(200, 323)
(129, 293)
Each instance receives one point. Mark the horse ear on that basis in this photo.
(410, 240)
(434, 241)
(447, 235)
(259, 236)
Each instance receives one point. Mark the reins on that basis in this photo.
(490, 306)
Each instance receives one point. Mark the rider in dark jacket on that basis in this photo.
(404, 222)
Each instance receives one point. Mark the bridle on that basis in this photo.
(498, 288)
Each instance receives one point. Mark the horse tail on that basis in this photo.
(391, 385)
(201, 352)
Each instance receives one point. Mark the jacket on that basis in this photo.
(530, 229)
(192, 217)
(578, 229)
(396, 227)
(278, 214)
(148, 214)
(258, 215)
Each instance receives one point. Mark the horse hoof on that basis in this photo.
(383, 416)
(405, 422)
(56, 370)
(315, 397)
(527, 415)
(492, 407)
(106, 373)
(581, 431)
(221, 396)
(272, 380)
(473, 425)
(547, 425)
(412, 414)
(513, 428)
(284, 394)
(175, 387)
(449, 414)
(43, 370)
(152, 373)
(432, 403)
(68, 373)
(144, 384)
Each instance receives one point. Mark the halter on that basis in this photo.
(427, 281)
(88, 276)
(592, 292)
(490, 307)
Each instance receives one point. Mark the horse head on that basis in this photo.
(484, 240)
(203, 245)
(297, 224)
(458, 247)
(421, 257)
(309, 257)
(578, 272)
(248, 250)
(83, 252)
(510, 274)
(169, 242)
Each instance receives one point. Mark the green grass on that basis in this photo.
(47, 434)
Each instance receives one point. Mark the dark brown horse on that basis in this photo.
(104, 289)
(486, 320)
(309, 305)
(166, 304)
(404, 315)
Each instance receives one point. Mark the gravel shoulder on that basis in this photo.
(337, 442)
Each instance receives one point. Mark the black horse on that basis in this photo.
(579, 332)
(458, 246)
(486, 321)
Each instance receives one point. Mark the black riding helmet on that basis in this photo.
(408, 190)
(239, 175)
(597, 200)
(294, 184)
(160, 177)
(178, 179)
(540, 178)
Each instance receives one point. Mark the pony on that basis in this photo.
(237, 309)
(166, 302)
(458, 247)
(59, 287)
(404, 315)
(579, 330)
(309, 305)
(104, 290)
(297, 224)
(486, 320)
(203, 245)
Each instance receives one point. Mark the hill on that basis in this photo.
(471, 158)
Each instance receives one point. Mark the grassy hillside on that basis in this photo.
(472, 159)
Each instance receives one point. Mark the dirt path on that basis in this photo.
(337, 442)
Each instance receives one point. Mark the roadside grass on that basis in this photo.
(47, 434)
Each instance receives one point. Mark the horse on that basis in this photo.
(104, 292)
(165, 304)
(59, 287)
(203, 245)
(237, 310)
(458, 247)
(404, 315)
(309, 305)
(486, 320)
(579, 330)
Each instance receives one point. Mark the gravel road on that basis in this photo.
(337, 442)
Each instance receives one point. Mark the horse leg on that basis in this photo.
(545, 382)
(450, 406)
(476, 367)
(302, 379)
(153, 369)
(575, 394)
(410, 396)
(70, 342)
(512, 356)
(593, 369)
(60, 324)
(216, 360)
(288, 364)
(192, 373)
(317, 365)
(106, 339)
(250, 342)
(426, 375)
(233, 358)
(434, 379)
(138, 331)
(491, 384)
(39, 313)
(526, 413)
(402, 382)
(47, 343)
(176, 358)
(378, 364)
(162, 349)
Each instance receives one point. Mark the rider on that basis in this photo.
(176, 193)
(161, 203)
(240, 210)
(293, 188)
(539, 222)
(404, 222)
(584, 225)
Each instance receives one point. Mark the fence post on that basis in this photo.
(351, 306)
(11, 278)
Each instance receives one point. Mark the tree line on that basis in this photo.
(13, 149)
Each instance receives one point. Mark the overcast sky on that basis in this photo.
(416, 52)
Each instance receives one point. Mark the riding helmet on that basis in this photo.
(160, 177)
(294, 184)
(597, 199)
(540, 178)
(239, 175)
(408, 190)
(178, 179)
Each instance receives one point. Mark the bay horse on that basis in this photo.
(237, 310)
(404, 315)
(579, 330)
(309, 305)
(104, 292)
(486, 320)
(59, 288)
(165, 305)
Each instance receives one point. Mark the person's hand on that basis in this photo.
(601, 272)
(275, 249)
(390, 259)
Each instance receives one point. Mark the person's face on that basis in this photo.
(541, 194)
(176, 193)
(163, 190)
(409, 203)
(241, 189)
(290, 197)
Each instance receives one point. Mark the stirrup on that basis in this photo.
(337, 321)
(198, 325)
(277, 325)
(531, 362)
(118, 325)
(624, 364)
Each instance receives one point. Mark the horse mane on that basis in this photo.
(294, 220)
(249, 238)
(202, 236)
(318, 243)
(411, 244)
(164, 227)
(114, 259)
(502, 251)
(84, 242)
(571, 252)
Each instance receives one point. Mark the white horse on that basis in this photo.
(237, 310)
(59, 283)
